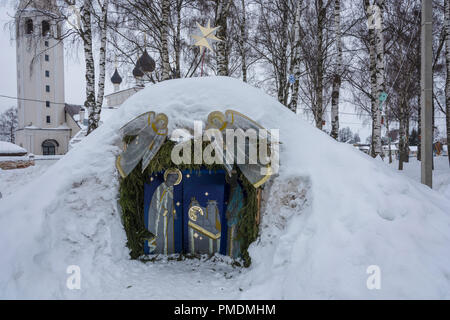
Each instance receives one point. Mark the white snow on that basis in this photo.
(107, 113)
(10, 148)
(12, 181)
(330, 214)
(441, 173)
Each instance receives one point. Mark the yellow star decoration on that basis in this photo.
(207, 33)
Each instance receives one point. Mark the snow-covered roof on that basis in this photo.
(332, 212)
(135, 89)
(108, 113)
(393, 147)
(63, 126)
(7, 148)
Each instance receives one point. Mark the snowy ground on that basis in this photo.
(12, 180)
(208, 278)
(330, 214)
(213, 278)
(441, 173)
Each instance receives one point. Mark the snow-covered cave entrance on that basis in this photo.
(185, 208)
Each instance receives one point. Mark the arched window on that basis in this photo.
(29, 26)
(49, 147)
(45, 28)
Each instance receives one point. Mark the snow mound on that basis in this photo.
(11, 148)
(330, 214)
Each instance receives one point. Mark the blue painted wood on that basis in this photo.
(178, 225)
(196, 185)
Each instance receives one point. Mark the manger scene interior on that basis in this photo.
(195, 191)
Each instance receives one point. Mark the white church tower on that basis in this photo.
(46, 123)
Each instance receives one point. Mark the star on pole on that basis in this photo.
(208, 33)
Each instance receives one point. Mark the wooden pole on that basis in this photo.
(203, 58)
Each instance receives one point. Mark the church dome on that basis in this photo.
(137, 71)
(116, 78)
(146, 62)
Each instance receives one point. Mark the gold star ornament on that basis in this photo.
(208, 33)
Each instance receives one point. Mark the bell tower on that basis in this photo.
(40, 79)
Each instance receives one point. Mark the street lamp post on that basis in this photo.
(427, 92)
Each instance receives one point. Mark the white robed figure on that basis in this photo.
(162, 215)
(204, 227)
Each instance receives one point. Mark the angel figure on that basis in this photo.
(162, 214)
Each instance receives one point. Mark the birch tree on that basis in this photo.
(8, 125)
(319, 108)
(296, 60)
(376, 56)
(315, 61)
(85, 31)
(316, 46)
(242, 41)
(447, 61)
(222, 12)
(376, 136)
(271, 46)
(165, 12)
(86, 36)
(103, 27)
(283, 86)
(338, 72)
(403, 74)
(177, 38)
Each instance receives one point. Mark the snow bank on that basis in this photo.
(330, 214)
(11, 148)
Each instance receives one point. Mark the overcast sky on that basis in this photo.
(74, 66)
(7, 59)
(74, 77)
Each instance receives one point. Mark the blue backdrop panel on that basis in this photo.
(149, 189)
(204, 185)
(178, 225)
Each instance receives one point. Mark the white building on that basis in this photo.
(46, 123)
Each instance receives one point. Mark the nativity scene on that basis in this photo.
(189, 208)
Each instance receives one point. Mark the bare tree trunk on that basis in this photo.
(296, 61)
(90, 103)
(222, 11)
(433, 128)
(407, 117)
(376, 137)
(338, 72)
(320, 69)
(447, 82)
(403, 136)
(165, 12)
(375, 79)
(389, 137)
(401, 144)
(102, 63)
(178, 40)
(419, 132)
(243, 41)
(283, 64)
